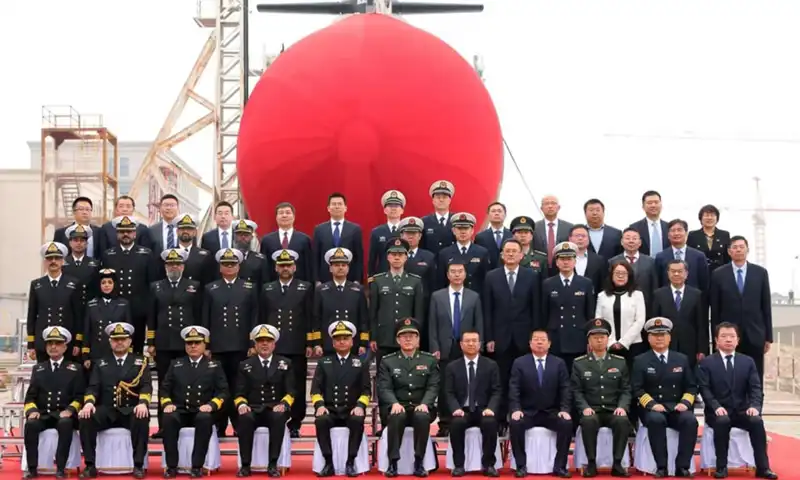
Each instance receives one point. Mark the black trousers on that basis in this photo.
(458, 431)
(230, 366)
(420, 421)
(324, 424)
(109, 417)
(247, 424)
(620, 430)
(686, 425)
(444, 412)
(722, 436)
(298, 410)
(139, 323)
(173, 422)
(64, 427)
(504, 361)
(550, 421)
(163, 360)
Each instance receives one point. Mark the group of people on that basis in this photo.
(500, 284)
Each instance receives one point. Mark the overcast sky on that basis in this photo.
(596, 98)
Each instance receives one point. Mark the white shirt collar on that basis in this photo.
(56, 279)
(736, 269)
(536, 359)
(126, 249)
(452, 290)
(508, 270)
(230, 239)
(123, 358)
(635, 255)
(53, 362)
(341, 223)
(682, 289)
(732, 354)
(262, 359)
(287, 284)
(467, 360)
(342, 358)
(666, 355)
(413, 251)
(339, 284)
(554, 222)
(563, 278)
(445, 216)
(230, 282)
(460, 247)
(289, 232)
(76, 259)
(390, 225)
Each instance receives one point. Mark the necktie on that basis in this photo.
(119, 362)
(170, 236)
(54, 283)
(441, 221)
(284, 288)
(341, 361)
(194, 364)
(663, 359)
(55, 366)
(463, 250)
(411, 255)
(471, 386)
(566, 283)
(632, 260)
(174, 284)
(285, 241)
(511, 281)
(126, 251)
(729, 367)
(677, 299)
(551, 241)
(340, 288)
(225, 243)
(394, 228)
(77, 263)
(498, 238)
(739, 280)
(679, 254)
(337, 234)
(107, 300)
(456, 316)
(655, 239)
(540, 371)
(265, 363)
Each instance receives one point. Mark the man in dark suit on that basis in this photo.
(82, 212)
(472, 393)
(493, 237)
(587, 263)
(221, 237)
(568, 302)
(686, 307)
(678, 250)
(287, 238)
(164, 234)
(731, 389)
(644, 267)
(511, 306)
(651, 228)
(604, 240)
(551, 230)
(453, 310)
(393, 204)
(664, 383)
(475, 257)
(335, 233)
(539, 395)
(740, 294)
(438, 231)
(107, 236)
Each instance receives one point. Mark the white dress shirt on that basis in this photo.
(543, 359)
(466, 366)
(288, 233)
(267, 359)
(581, 261)
(462, 247)
(563, 278)
(445, 216)
(679, 252)
(219, 232)
(165, 234)
(341, 226)
(725, 360)
(666, 355)
(453, 301)
(54, 279)
(53, 363)
(682, 289)
(123, 358)
(736, 269)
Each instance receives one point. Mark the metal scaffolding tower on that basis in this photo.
(760, 227)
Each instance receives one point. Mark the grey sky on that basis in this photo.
(563, 75)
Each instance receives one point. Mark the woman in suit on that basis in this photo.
(710, 240)
(102, 311)
(622, 305)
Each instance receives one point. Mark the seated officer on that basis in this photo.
(731, 389)
(192, 392)
(118, 396)
(52, 400)
(264, 395)
(335, 404)
(601, 385)
(663, 381)
(408, 382)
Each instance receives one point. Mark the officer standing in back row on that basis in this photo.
(601, 385)
(522, 229)
(77, 264)
(254, 264)
(438, 233)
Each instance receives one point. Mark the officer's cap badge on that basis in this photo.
(393, 194)
(411, 221)
(229, 255)
(52, 248)
(125, 222)
(398, 242)
(598, 322)
(193, 333)
(119, 330)
(285, 256)
(185, 220)
(658, 322)
(80, 229)
(339, 253)
(243, 225)
(523, 220)
(264, 331)
(341, 327)
(173, 255)
(462, 217)
(442, 184)
(565, 246)
(407, 321)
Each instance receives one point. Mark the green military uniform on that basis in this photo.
(410, 381)
(393, 298)
(603, 385)
(532, 258)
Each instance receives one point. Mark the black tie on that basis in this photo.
(394, 229)
(463, 250)
(119, 362)
(341, 288)
(194, 364)
(266, 364)
(472, 386)
(284, 287)
(411, 255)
(663, 359)
(55, 366)
(77, 263)
(54, 283)
(566, 283)
(441, 221)
(174, 284)
(341, 361)
(729, 367)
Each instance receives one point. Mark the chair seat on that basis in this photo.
(540, 445)
(643, 455)
(405, 466)
(605, 450)
(473, 452)
(260, 458)
(48, 444)
(740, 450)
(186, 445)
(114, 454)
(340, 437)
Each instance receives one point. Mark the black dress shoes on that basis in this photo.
(244, 472)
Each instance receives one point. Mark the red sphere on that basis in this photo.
(366, 105)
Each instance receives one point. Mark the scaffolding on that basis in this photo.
(79, 157)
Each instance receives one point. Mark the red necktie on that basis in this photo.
(551, 242)
(632, 260)
(285, 241)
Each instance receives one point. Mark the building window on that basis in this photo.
(125, 186)
(124, 167)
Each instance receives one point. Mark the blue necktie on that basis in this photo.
(456, 316)
(655, 239)
(337, 234)
(498, 238)
(729, 368)
(677, 300)
(740, 280)
(540, 371)
(170, 236)
(225, 243)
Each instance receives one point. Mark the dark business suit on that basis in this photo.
(107, 237)
(698, 267)
(156, 236)
(298, 242)
(565, 311)
(717, 255)
(643, 227)
(611, 244)
(60, 236)
(596, 270)
(349, 238)
(435, 236)
(445, 340)
(689, 325)
(540, 235)
(735, 393)
(510, 318)
(644, 271)
(488, 240)
(750, 310)
(540, 401)
(377, 248)
(484, 392)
